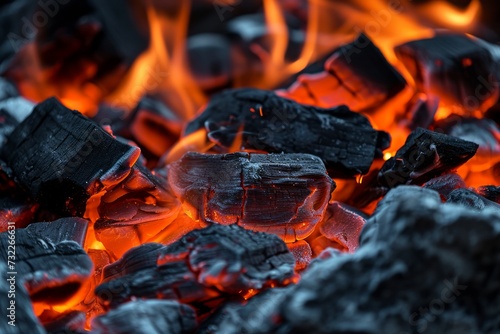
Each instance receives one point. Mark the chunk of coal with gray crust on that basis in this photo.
(490, 192)
(204, 265)
(51, 271)
(62, 158)
(425, 155)
(445, 184)
(284, 194)
(459, 69)
(426, 256)
(470, 199)
(344, 140)
(148, 316)
(17, 309)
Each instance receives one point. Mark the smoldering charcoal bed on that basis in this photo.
(261, 166)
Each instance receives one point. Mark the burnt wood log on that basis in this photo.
(52, 272)
(61, 158)
(199, 268)
(425, 155)
(284, 194)
(414, 237)
(261, 120)
(19, 317)
(461, 71)
(356, 74)
(147, 316)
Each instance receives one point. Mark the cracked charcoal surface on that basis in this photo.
(344, 140)
(470, 199)
(425, 155)
(203, 265)
(284, 194)
(52, 271)
(62, 158)
(148, 316)
(421, 253)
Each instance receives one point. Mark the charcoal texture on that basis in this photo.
(147, 316)
(470, 199)
(202, 266)
(62, 158)
(445, 184)
(425, 155)
(134, 211)
(22, 318)
(460, 70)
(261, 120)
(284, 194)
(63, 229)
(52, 271)
(430, 267)
(490, 192)
(356, 74)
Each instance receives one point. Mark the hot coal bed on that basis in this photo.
(357, 194)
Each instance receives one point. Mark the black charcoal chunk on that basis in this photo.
(425, 155)
(261, 120)
(71, 322)
(445, 184)
(490, 192)
(356, 74)
(147, 316)
(460, 70)
(284, 194)
(71, 228)
(18, 315)
(202, 266)
(426, 256)
(52, 272)
(236, 318)
(62, 158)
(470, 199)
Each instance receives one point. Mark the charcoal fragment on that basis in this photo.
(425, 155)
(356, 74)
(470, 199)
(61, 158)
(201, 267)
(302, 253)
(20, 319)
(52, 272)
(490, 192)
(148, 316)
(460, 70)
(445, 184)
(261, 120)
(381, 288)
(284, 194)
(71, 229)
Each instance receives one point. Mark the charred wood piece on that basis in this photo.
(357, 75)
(490, 192)
(302, 253)
(63, 229)
(19, 317)
(445, 184)
(204, 265)
(134, 211)
(148, 316)
(284, 194)
(412, 235)
(52, 272)
(470, 199)
(425, 155)
(261, 120)
(343, 225)
(461, 71)
(61, 158)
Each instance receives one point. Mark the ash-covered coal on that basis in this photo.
(422, 267)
